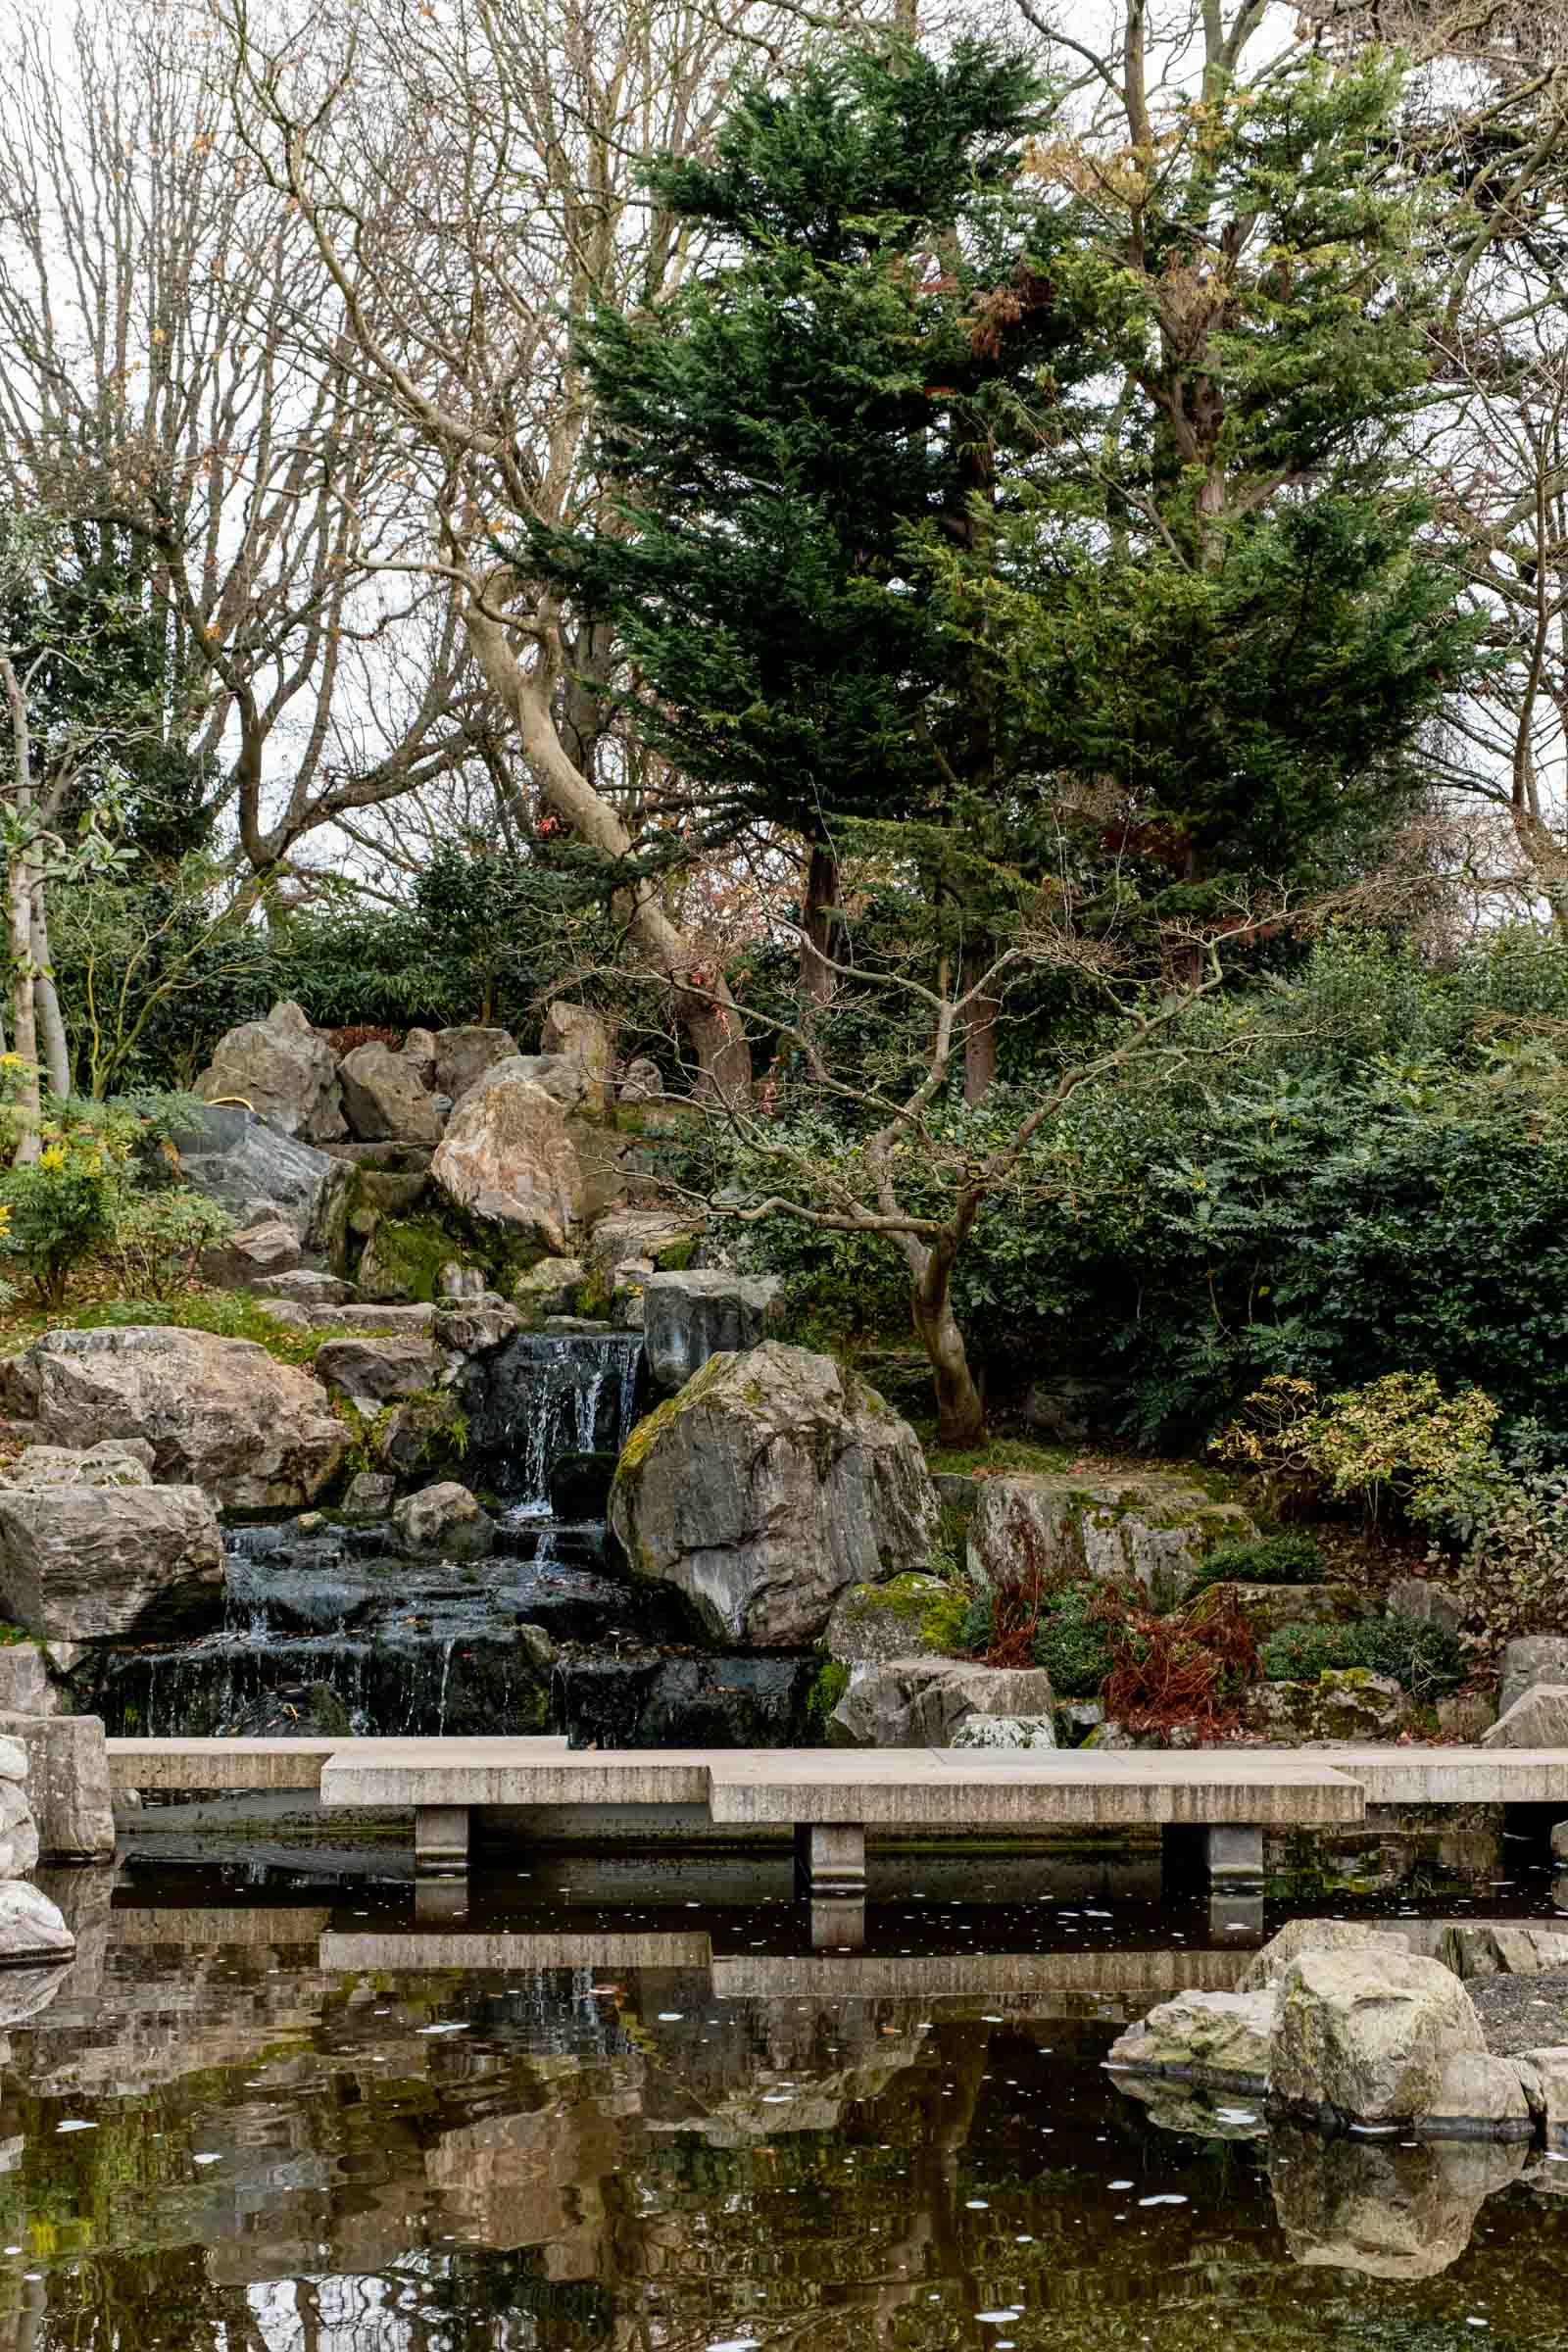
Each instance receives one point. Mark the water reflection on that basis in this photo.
(288, 2130)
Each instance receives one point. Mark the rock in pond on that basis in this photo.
(923, 1702)
(105, 1563)
(282, 1072)
(1217, 2039)
(773, 1481)
(32, 1928)
(68, 1783)
(1266, 1968)
(689, 1316)
(1155, 1529)
(506, 1157)
(217, 1413)
(1364, 2036)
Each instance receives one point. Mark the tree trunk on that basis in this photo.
(960, 1411)
(704, 1006)
(51, 1020)
(980, 1030)
(24, 1015)
(819, 926)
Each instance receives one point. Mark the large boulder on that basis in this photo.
(909, 1617)
(1539, 1718)
(1345, 1704)
(771, 1483)
(1364, 2036)
(385, 1098)
(1268, 1608)
(689, 1316)
(219, 1413)
(1154, 1528)
(282, 1072)
(261, 1175)
(924, 1702)
(1530, 1659)
(666, 1239)
(1266, 1969)
(580, 1036)
(373, 1372)
(101, 1563)
(68, 1785)
(462, 1057)
(506, 1157)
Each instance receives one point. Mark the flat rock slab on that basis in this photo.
(177, 1764)
(889, 1787)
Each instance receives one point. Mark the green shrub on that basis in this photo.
(1288, 1559)
(1509, 1521)
(1423, 1659)
(159, 1239)
(1074, 1643)
(1400, 1435)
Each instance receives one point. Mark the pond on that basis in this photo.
(259, 2113)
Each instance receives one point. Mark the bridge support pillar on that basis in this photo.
(440, 1838)
(830, 1857)
(1218, 1858)
(838, 1922)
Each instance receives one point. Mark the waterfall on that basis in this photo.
(544, 1394)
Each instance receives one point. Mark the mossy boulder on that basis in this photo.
(1346, 1704)
(1155, 1528)
(1267, 1608)
(911, 1616)
(770, 1484)
(404, 1259)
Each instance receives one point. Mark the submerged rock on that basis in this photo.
(282, 1072)
(220, 1414)
(771, 1483)
(102, 1563)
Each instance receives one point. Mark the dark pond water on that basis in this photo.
(259, 2115)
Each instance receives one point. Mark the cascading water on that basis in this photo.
(546, 1394)
(333, 1626)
